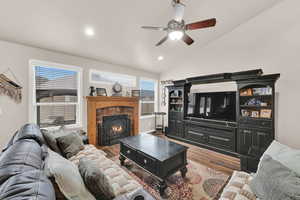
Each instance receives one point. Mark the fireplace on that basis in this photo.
(113, 128)
(100, 107)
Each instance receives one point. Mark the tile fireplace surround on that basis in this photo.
(100, 106)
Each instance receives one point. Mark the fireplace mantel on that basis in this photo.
(94, 103)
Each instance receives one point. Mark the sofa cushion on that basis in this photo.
(27, 186)
(50, 138)
(275, 181)
(287, 156)
(67, 177)
(30, 131)
(24, 155)
(110, 177)
(70, 144)
(238, 187)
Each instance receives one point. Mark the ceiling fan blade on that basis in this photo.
(202, 24)
(162, 41)
(179, 11)
(154, 28)
(187, 39)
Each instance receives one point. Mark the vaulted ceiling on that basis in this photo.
(59, 25)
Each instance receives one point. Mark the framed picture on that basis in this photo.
(101, 92)
(135, 93)
(265, 113)
(245, 113)
(255, 114)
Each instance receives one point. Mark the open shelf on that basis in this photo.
(255, 107)
(176, 97)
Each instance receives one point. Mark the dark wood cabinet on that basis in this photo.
(248, 136)
(256, 118)
(176, 110)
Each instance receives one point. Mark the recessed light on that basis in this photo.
(89, 31)
(160, 58)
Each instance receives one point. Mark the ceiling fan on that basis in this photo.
(177, 28)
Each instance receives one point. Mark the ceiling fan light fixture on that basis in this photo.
(175, 35)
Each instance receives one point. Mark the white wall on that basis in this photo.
(17, 57)
(270, 41)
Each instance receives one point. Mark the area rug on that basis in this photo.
(201, 182)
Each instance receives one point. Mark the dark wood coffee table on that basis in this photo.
(158, 156)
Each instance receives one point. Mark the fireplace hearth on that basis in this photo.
(113, 128)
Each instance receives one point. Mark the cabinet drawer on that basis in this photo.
(146, 162)
(128, 152)
(263, 123)
(196, 136)
(222, 142)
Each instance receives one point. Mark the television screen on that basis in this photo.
(217, 106)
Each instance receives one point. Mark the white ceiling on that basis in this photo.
(59, 25)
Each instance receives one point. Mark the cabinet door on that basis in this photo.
(179, 128)
(172, 127)
(254, 142)
(245, 141)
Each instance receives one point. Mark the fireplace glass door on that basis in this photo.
(114, 128)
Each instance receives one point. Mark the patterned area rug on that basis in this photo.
(201, 182)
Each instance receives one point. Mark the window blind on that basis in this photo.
(147, 96)
(55, 85)
(56, 92)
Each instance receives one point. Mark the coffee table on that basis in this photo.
(159, 157)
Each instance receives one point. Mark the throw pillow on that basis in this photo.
(275, 181)
(51, 140)
(91, 175)
(70, 144)
(67, 177)
(287, 156)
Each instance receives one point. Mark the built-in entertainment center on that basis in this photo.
(231, 113)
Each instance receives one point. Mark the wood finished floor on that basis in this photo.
(214, 160)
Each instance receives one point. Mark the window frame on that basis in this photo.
(155, 98)
(32, 92)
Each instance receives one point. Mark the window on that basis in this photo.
(101, 77)
(148, 96)
(56, 94)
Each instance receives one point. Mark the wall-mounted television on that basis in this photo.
(215, 106)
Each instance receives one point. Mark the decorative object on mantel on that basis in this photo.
(101, 92)
(127, 93)
(9, 87)
(117, 89)
(135, 93)
(164, 84)
(92, 91)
